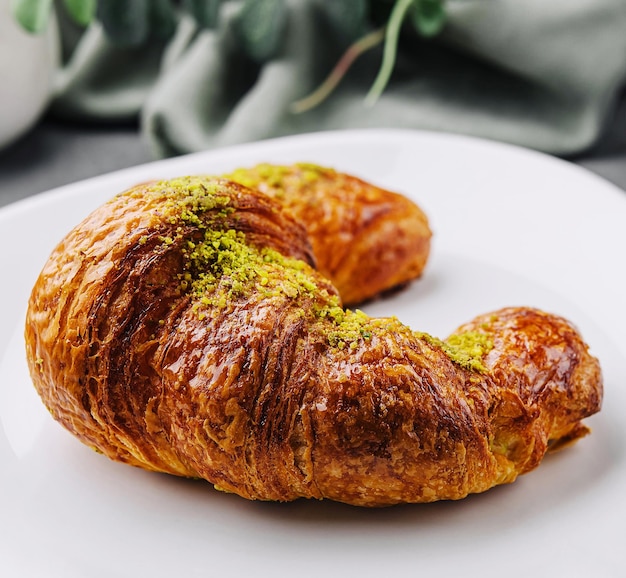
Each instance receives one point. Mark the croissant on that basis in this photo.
(182, 328)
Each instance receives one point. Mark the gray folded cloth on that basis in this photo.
(544, 75)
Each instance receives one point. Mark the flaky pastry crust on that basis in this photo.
(182, 328)
(366, 239)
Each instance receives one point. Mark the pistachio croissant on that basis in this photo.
(182, 328)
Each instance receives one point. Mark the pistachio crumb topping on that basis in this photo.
(350, 327)
(274, 177)
(466, 349)
(221, 266)
(188, 198)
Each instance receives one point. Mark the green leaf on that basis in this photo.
(81, 11)
(348, 16)
(429, 17)
(204, 12)
(32, 15)
(125, 22)
(260, 26)
(163, 19)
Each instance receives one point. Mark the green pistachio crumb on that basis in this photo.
(274, 178)
(466, 349)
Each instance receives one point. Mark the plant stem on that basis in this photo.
(390, 51)
(318, 96)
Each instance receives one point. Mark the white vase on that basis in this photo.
(27, 66)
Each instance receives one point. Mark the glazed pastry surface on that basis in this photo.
(366, 239)
(182, 328)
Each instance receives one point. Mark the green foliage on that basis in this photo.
(204, 12)
(81, 11)
(350, 17)
(125, 22)
(163, 18)
(260, 27)
(261, 23)
(32, 15)
(429, 17)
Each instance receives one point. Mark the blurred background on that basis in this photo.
(91, 86)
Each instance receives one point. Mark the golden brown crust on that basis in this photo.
(275, 393)
(366, 240)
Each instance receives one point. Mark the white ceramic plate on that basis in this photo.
(512, 227)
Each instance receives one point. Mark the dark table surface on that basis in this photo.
(55, 154)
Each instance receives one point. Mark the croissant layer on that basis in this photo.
(182, 328)
(366, 240)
